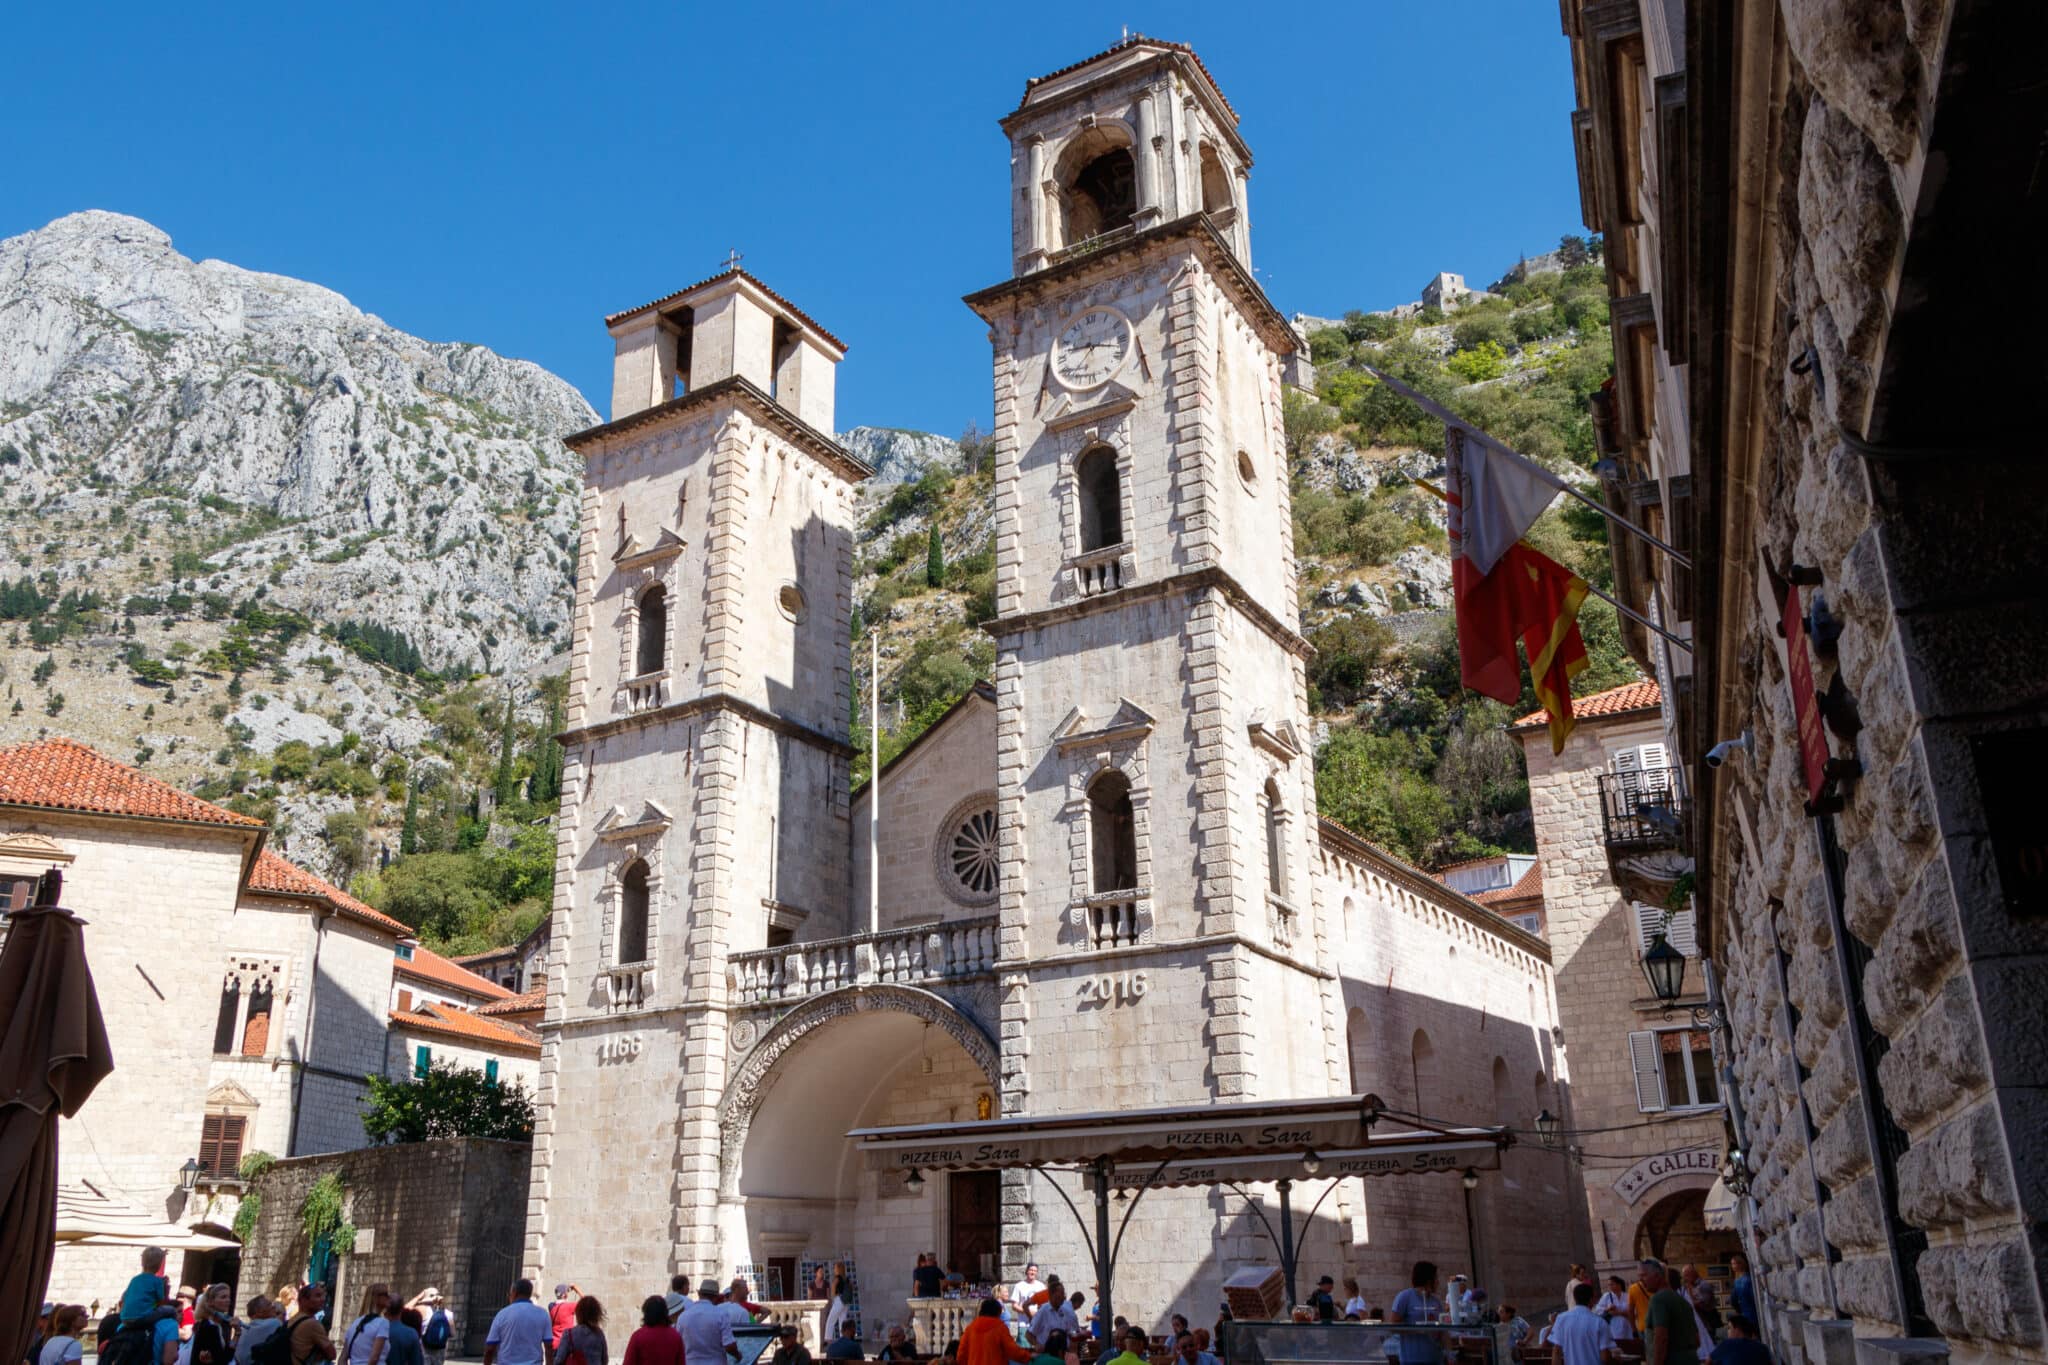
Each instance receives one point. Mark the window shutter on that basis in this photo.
(1649, 923)
(229, 1152)
(1681, 933)
(422, 1061)
(1648, 1065)
(209, 1142)
(1627, 760)
(491, 1069)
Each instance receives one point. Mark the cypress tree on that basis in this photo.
(507, 784)
(546, 784)
(409, 832)
(934, 560)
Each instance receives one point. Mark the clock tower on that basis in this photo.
(1155, 789)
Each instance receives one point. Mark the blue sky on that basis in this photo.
(507, 174)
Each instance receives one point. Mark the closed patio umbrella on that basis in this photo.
(53, 1052)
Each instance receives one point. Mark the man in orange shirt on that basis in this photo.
(987, 1340)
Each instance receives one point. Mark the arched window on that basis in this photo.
(1422, 1066)
(1216, 196)
(224, 1022)
(256, 1028)
(1102, 499)
(653, 652)
(1113, 841)
(633, 913)
(1358, 1043)
(1098, 182)
(1275, 821)
(1503, 1102)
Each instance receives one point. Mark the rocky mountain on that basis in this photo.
(347, 469)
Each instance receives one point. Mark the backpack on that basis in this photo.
(436, 1335)
(131, 1346)
(275, 1349)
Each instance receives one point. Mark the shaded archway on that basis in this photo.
(1674, 1230)
(1098, 183)
(791, 1188)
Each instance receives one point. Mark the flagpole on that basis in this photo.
(1632, 614)
(874, 780)
(1445, 415)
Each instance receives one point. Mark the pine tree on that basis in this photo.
(409, 832)
(507, 783)
(934, 561)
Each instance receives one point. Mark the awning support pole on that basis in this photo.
(1104, 1262)
(1286, 1187)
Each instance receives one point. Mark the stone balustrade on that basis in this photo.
(907, 957)
(1099, 571)
(630, 984)
(807, 1314)
(934, 1322)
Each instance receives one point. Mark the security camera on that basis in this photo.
(1729, 748)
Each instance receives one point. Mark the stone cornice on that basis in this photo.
(1194, 230)
(745, 393)
(1194, 581)
(1341, 841)
(697, 706)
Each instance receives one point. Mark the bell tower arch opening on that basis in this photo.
(1096, 180)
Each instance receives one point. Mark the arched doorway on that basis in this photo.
(1675, 1231)
(794, 1195)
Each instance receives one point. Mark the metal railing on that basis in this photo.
(927, 952)
(1644, 809)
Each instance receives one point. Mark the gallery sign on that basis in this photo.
(1652, 1170)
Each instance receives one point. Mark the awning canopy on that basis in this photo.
(87, 1217)
(1281, 1133)
(1718, 1212)
(1469, 1149)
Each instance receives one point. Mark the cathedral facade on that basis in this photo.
(1102, 880)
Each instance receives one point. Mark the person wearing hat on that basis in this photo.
(439, 1324)
(562, 1312)
(789, 1348)
(706, 1330)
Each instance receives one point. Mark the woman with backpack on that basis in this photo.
(370, 1334)
(440, 1323)
(584, 1343)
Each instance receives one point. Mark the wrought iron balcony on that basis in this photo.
(1644, 809)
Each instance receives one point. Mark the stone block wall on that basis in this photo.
(450, 1213)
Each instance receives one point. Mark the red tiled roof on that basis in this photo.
(799, 314)
(488, 955)
(464, 1024)
(1132, 41)
(1615, 701)
(526, 1002)
(62, 774)
(278, 877)
(1529, 886)
(428, 965)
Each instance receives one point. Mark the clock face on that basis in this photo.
(1091, 349)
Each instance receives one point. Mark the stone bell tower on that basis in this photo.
(1155, 788)
(704, 802)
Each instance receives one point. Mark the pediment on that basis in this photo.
(1129, 721)
(30, 847)
(1111, 400)
(228, 1095)
(1278, 738)
(616, 823)
(631, 554)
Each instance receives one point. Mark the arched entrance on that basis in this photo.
(1674, 1230)
(793, 1194)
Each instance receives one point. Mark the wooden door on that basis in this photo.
(974, 1203)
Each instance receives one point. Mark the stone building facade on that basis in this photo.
(244, 998)
(1645, 1107)
(1800, 201)
(1102, 879)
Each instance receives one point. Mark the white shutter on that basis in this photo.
(1678, 929)
(1647, 1063)
(1651, 756)
(1681, 930)
(1649, 923)
(1627, 760)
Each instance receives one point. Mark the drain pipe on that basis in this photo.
(320, 918)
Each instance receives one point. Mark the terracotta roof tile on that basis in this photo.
(1615, 701)
(428, 965)
(1529, 886)
(526, 1002)
(457, 1023)
(62, 774)
(279, 877)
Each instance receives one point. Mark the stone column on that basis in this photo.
(1147, 155)
(1033, 191)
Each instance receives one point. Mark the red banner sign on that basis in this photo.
(1813, 739)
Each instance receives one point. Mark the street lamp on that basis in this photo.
(1664, 967)
(188, 1174)
(1310, 1162)
(915, 1181)
(1470, 1179)
(1549, 1128)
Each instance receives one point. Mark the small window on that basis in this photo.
(422, 1061)
(17, 893)
(256, 1030)
(404, 1002)
(220, 1143)
(1673, 1069)
(491, 1070)
(1247, 471)
(1275, 821)
(653, 652)
(404, 951)
(1112, 834)
(1101, 499)
(633, 913)
(1216, 195)
(789, 600)
(224, 1022)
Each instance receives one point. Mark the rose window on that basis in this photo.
(969, 854)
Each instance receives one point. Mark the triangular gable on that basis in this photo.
(936, 740)
(1129, 721)
(616, 824)
(227, 1095)
(1280, 739)
(667, 545)
(1113, 400)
